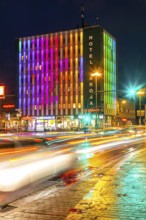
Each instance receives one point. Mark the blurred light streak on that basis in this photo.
(18, 151)
(107, 145)
(18, 172)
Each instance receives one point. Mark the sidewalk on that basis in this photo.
(117, 193)
(121, 194)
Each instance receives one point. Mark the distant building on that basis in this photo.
(55, 83)
(126, 112)
(8, 117)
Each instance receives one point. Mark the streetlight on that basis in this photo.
(123, 102)
(96, 74)
(140, 93)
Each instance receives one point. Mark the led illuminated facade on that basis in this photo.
(54, 72)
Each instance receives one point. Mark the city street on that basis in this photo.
(106, 182)
(72, 110)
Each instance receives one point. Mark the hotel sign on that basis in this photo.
(92, 57)
(91, 91)
(91, 62)
(90, 44)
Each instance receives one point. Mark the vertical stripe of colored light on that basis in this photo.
(46, 90)
(61, 89)
(37, 66)
(52, 73)
(28, 60)
(66, 90)
(71, 91)
(49, 75)
(61, 74)
(76, 72)
(66, 75)
(61, 65)
(56, 70)
(42, 73)
(109, 70)
(33, 75)
(82, 97)
(81, 69)
(24, 78)
(20, 74)
(71, 73)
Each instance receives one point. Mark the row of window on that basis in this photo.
(53, 113)
(38, 43)
(75, 64)
(38, 80)
(63, 105)
(127, 111)
(70, 98)
(63, 95)
(48, 56)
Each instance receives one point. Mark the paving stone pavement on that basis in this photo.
(119, 193)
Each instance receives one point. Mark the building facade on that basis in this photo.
(8, 114)
(126, 112)
(56, 86)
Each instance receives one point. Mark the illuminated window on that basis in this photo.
(74, 105)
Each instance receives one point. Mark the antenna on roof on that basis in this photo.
(82, 16)
(96, 20)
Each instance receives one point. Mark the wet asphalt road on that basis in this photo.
(107, 184)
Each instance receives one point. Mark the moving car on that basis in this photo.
(25, 161)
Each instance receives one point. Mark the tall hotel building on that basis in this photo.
(56, 86)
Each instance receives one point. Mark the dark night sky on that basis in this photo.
(124, 19)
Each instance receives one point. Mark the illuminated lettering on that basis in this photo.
(91, 84)
(90, 49)
(90, 44)
(91, 55)
(9, 106)
(90, 90)
(91, 37)
(91, 103)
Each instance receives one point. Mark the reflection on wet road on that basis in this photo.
(107, 176)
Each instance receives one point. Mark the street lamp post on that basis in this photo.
(123, 102)
(140, 93)
(96, 74)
